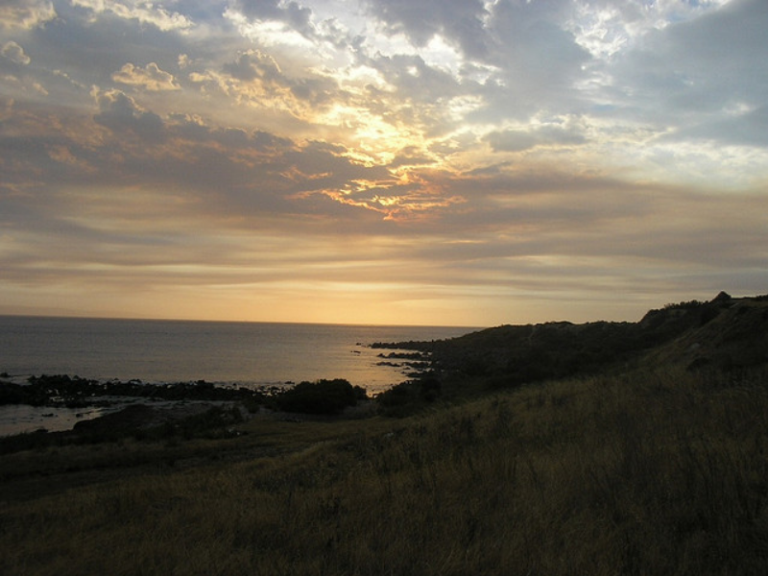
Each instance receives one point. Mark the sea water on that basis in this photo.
(224, 353)
(186, 351)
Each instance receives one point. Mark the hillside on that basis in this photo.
(726, 333)
(650, 457)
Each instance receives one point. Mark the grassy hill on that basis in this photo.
(724, 334)
(637, 448)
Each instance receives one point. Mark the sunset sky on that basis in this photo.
(439, 162)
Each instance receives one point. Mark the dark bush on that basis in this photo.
(396, 396)
(321, 397)
(410, 396)
(11, 394)
(429, 388)
(689, 305)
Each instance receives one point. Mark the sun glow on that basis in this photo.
(370, 138)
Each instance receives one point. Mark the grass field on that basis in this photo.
(647, 472)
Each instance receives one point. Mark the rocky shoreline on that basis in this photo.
(74, 391)
(157, 411)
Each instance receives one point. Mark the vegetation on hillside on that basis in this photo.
(725, 334)
(654, 464)
(650, 472)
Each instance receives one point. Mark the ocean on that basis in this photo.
(240, 353)
(162, 351)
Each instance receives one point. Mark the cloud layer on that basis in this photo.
(383, 161)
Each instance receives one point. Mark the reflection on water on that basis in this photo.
(17, 419)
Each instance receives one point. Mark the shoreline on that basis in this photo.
(68, 408)
(58, 403)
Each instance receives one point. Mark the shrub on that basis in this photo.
(396, 396)
(321, 397)
(689, 305)
(429, 388)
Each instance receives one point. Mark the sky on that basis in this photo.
(432, 162)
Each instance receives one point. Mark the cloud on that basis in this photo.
(536, 60)
(697, 71)
(25, 14)
(411, 156)
(195, 130)
(275, 23)
(291, 13)
(150, 78)
(414, 78)
(226, 173)
(254, 64)
(519, 140)
(256, 80)
(459, 21)
(143, 12)
(15, 53)
(81, 48)
(122, 115)
(741, 128)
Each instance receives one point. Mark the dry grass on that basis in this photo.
(645, 473)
